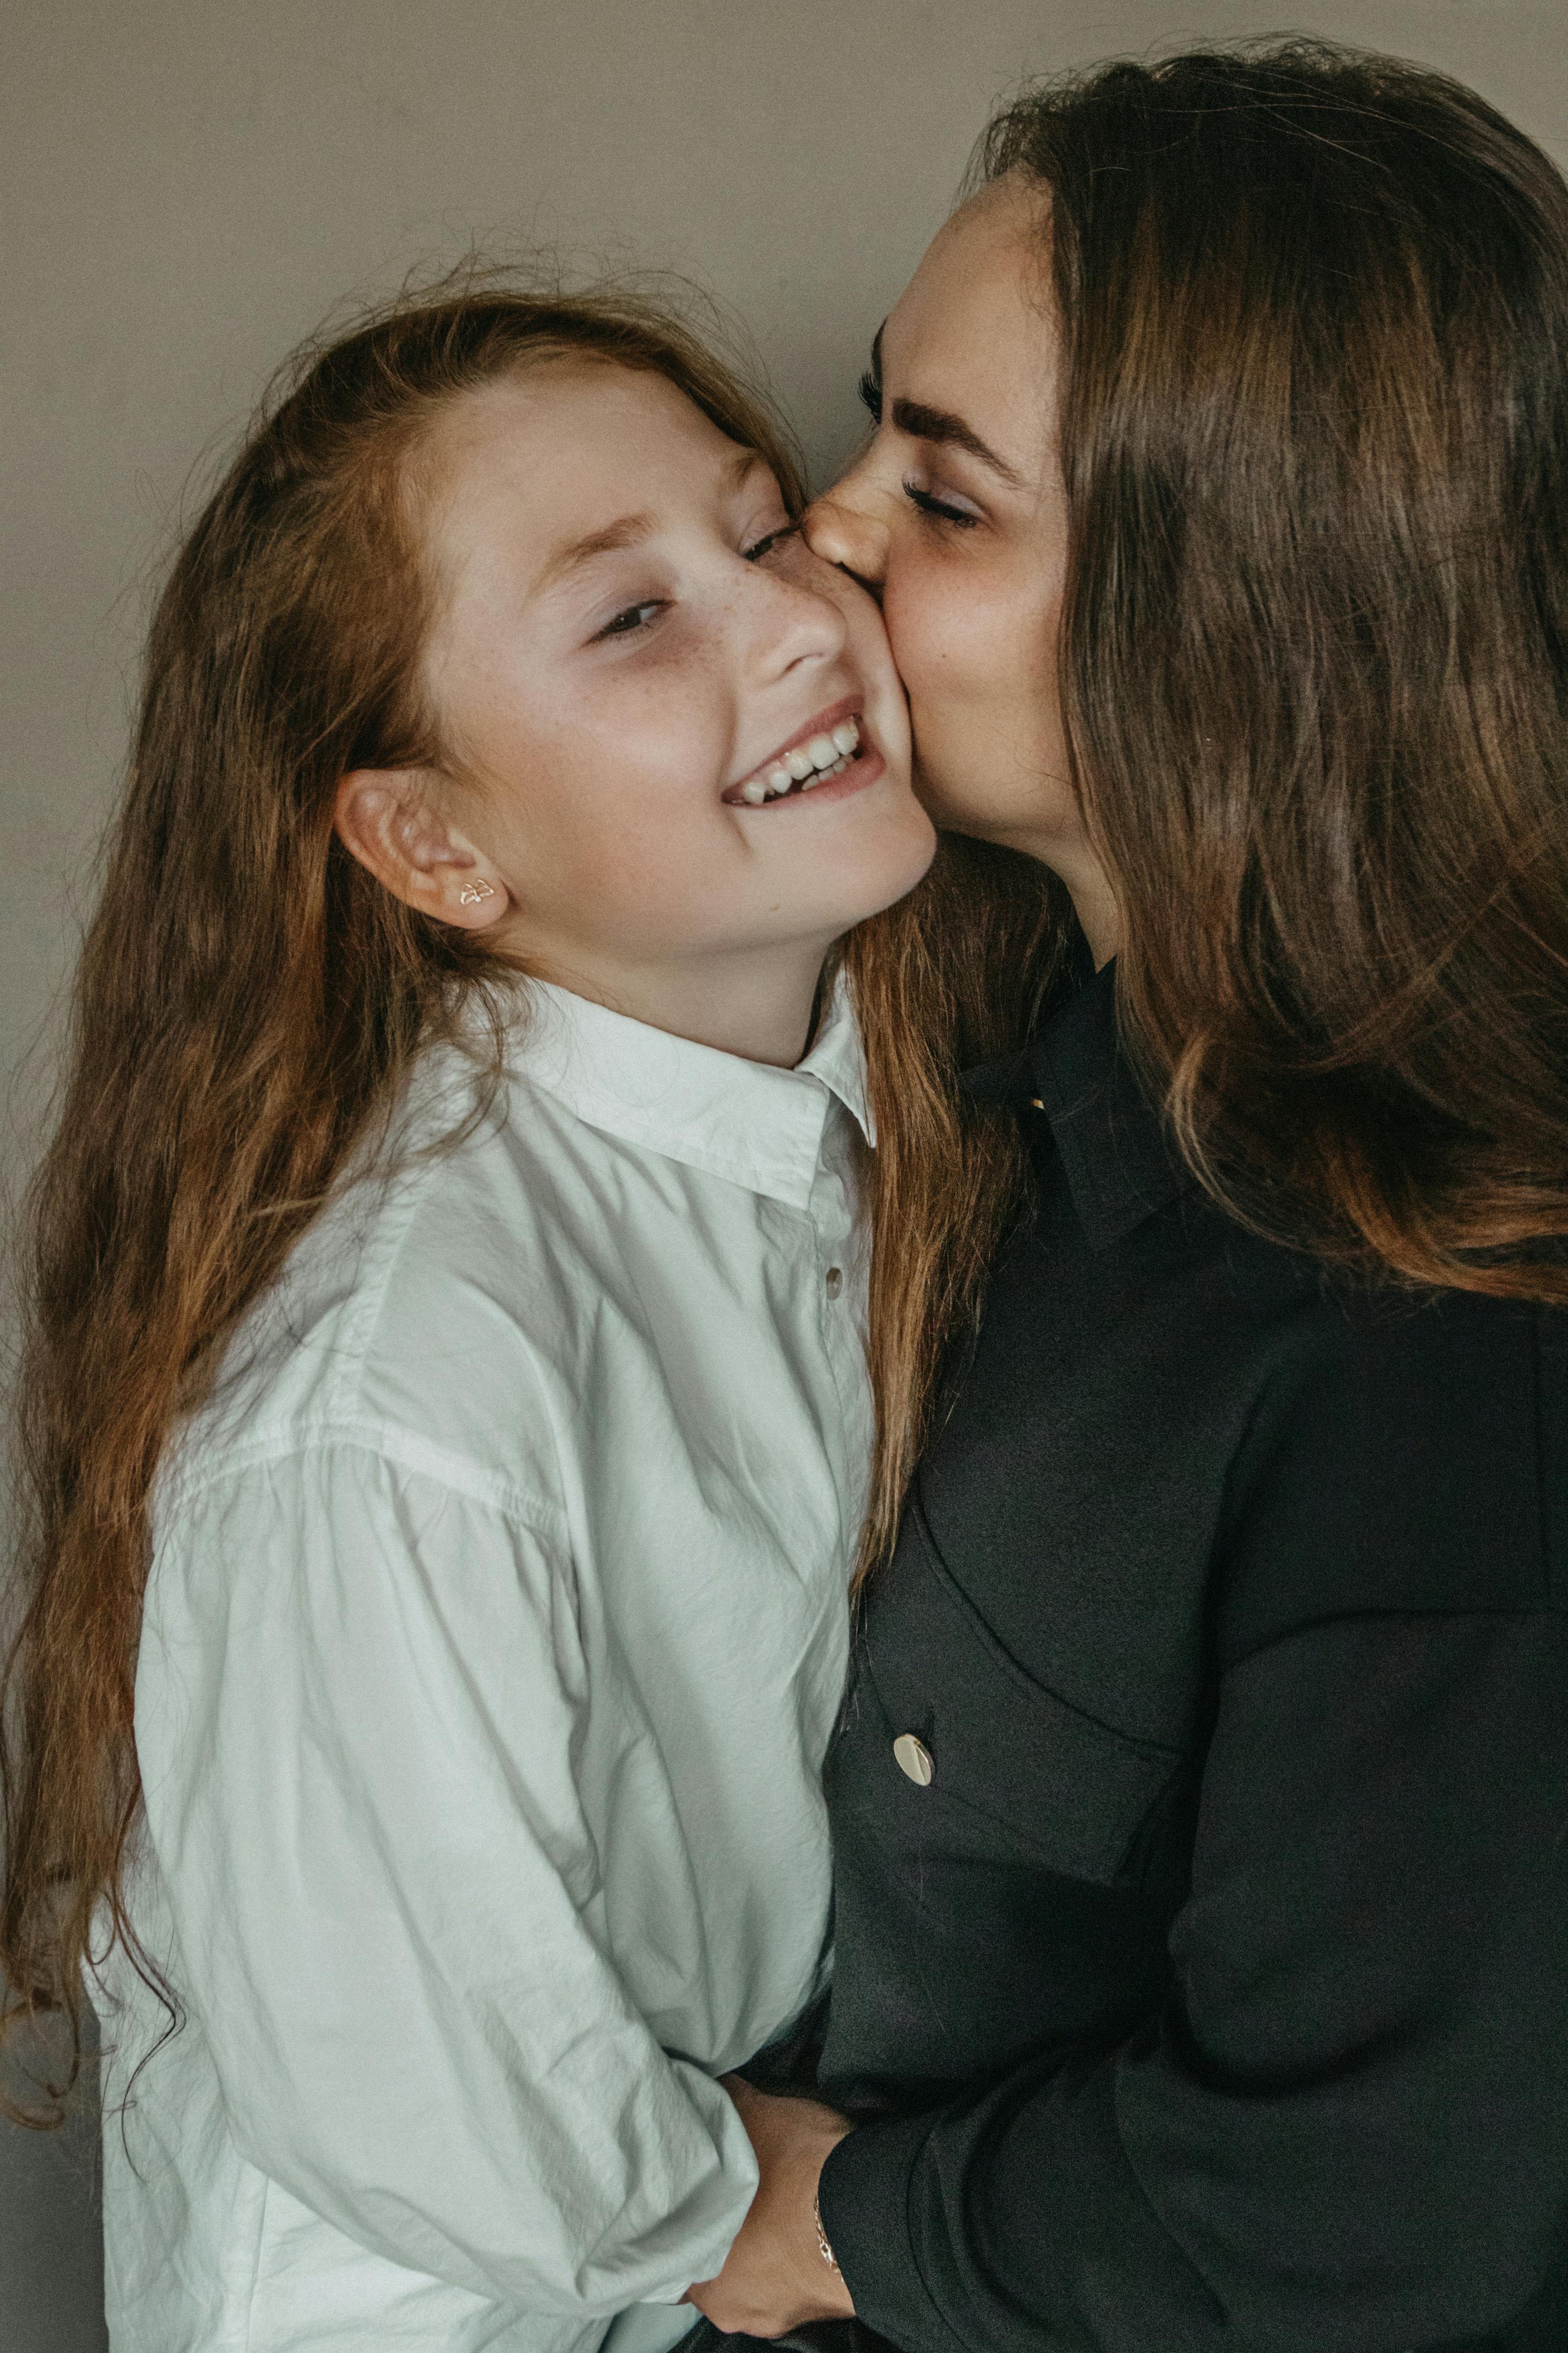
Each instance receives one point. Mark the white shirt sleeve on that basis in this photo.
(361, 1707)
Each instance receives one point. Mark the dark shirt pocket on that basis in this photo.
(1013, 1905)
(1028, 1772)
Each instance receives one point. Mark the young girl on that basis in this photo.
(448, 1392)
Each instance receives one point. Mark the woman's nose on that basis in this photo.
(840, 527)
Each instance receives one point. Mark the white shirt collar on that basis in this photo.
(748, 1122)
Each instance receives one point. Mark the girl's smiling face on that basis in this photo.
(631, 646)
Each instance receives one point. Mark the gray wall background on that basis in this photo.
(188, 186)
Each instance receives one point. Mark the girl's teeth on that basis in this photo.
(815, 762)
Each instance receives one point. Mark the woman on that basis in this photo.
(1201, 1809)
(447, 1397)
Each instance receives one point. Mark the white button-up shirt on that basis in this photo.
(496, 1627)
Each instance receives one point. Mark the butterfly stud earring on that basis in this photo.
(473, 895)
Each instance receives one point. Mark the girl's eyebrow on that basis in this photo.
(628, 530)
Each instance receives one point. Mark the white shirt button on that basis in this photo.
(914, 1760)
(834, 1280)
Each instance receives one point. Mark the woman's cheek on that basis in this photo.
(952, 636)
(913, 612)
(977, 658)
(943, 643)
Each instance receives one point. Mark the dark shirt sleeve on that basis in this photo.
(1347, 2132)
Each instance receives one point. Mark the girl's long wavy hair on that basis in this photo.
(1314, 652)
(249, 1001)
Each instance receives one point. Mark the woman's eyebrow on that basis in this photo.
(941, 425)
(922, 423)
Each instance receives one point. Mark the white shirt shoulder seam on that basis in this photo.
(404, 1189)
(401, 1449)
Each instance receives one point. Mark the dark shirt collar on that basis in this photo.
(1118, 1167)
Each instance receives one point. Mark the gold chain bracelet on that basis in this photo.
(823, 2245)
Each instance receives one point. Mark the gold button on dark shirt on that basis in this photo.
(915, 1759)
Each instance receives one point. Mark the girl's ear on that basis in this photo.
(387, 818)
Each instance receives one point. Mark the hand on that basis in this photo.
(774, 2276)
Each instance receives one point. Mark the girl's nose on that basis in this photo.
(797, 620)
(842, 527)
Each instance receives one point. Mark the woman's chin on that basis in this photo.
(973, 807)
(888, 866)
(950, 813)
(954, 804)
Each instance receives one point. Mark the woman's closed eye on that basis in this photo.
(943, 509)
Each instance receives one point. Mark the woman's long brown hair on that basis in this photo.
(1314, 659)
(1313, 670)
(249, 1001)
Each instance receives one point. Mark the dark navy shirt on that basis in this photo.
(1211, 1994)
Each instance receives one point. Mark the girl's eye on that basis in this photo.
(870, 393)
(765, 546)
(941, 509)
(633, 618)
